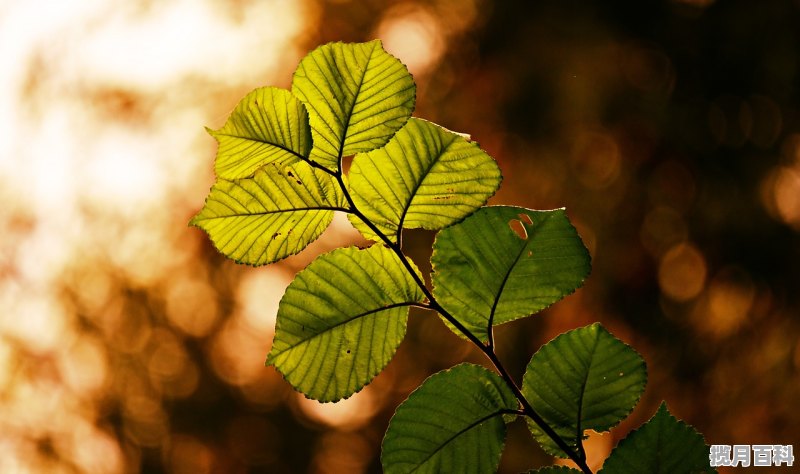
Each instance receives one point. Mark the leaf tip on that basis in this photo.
(212, 132)
(195, 220)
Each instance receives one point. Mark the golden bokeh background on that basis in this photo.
(671, 132)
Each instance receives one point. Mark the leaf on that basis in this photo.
(357, 96)
(555, 470)
(269, 125)
(452, 423)
(583, 379)
(663, 445)
(425, 177)
(485, 272)
(270, 216)
(341, 320)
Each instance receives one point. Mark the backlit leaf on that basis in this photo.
(269, 125)
(583, 379)
(663, 445)
(270, 216)
(454, 422)
(341, 320)
(425, 177)
(486, 270)
(357, 96)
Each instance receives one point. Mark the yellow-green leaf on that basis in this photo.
(269, 125)
(425, 177)
(272, 215)
(341, 320)
(357, 96)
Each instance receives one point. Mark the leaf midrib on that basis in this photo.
(350, 112)
(276, 145)
(418, 185)
(579, 429)
(346, 321)
(502, 286)
(459, 433)
(278, 211)
(511, 269)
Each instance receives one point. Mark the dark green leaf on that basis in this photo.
(663, 445)
(341, 320)
(357, 96)
(583, 379)
(484, 271)
(452, 423)
(425, 177)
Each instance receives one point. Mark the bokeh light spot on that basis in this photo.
(412, 33)
(596, 159)
(342, 452)
(84, 366)
(786, 195)
(663, 227)
(188, 455)
(349, 413)
(682, 272)
(192, 306)
(729, 299)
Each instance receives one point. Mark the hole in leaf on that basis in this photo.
(518, 228)
(348, 351)
(526, 218)
(346, 162)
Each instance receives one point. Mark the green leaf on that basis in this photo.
(452, 423)
(555, 470)
(341, 320)
(270, 216)
(357, 96)
(425, 177)
(485, 273)
(663, 445)
(269, 125)
(583, 379)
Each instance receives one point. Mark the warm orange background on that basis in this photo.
(670, 131)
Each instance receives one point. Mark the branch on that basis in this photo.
(487, 349)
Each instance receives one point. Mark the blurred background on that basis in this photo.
(670, 130)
